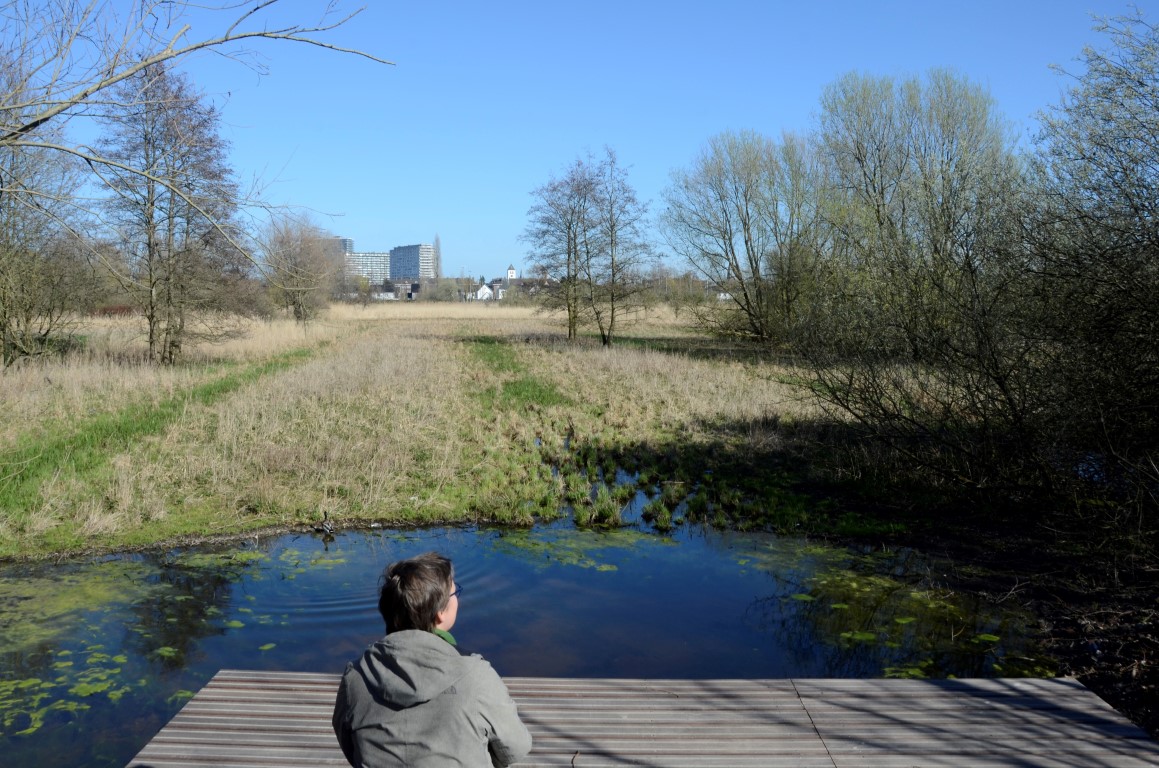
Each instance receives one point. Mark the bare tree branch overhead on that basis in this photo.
(71, 54)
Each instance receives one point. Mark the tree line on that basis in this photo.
(987, 311)
(149, 217)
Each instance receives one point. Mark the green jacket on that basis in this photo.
(414, 700)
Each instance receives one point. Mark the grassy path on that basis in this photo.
(80, 453)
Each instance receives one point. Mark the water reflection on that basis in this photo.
(113, 648)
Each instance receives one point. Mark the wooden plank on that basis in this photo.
(977, 761)
(263, 719)
(1049, 722)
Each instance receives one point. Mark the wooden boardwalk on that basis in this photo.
(266, 719)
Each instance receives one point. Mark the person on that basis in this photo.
(413, 699)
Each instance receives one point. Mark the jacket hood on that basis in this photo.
(410, 667)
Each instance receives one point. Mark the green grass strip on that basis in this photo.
(498, 355)
(501, 357)
(87, 449)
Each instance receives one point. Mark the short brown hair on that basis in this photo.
(414, 591)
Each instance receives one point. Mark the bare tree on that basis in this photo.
(175, 222)
(746, 218)
(363, 290)
(561, 231)
(715, 219)
(43, 278)
(43, 284)
(802, 238)
(301, 264)
(615, 252)
(586, 231)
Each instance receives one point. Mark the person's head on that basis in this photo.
(417, 594)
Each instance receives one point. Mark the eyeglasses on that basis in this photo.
(458, 590)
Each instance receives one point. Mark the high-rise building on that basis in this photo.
(412, 262)
(373, 265)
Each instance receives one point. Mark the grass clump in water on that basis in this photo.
(657, 513)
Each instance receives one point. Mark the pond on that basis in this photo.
(96, 656)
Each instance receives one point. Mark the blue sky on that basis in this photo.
(487, 101)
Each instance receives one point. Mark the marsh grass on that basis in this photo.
(405, 413)
(112, 372)
(91, 451)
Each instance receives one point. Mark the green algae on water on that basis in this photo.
(576, 548)
(35, 610)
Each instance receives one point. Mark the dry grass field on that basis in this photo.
(404, 413)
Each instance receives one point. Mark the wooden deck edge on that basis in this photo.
(264, 719)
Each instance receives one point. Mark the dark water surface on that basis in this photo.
(95, 657)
